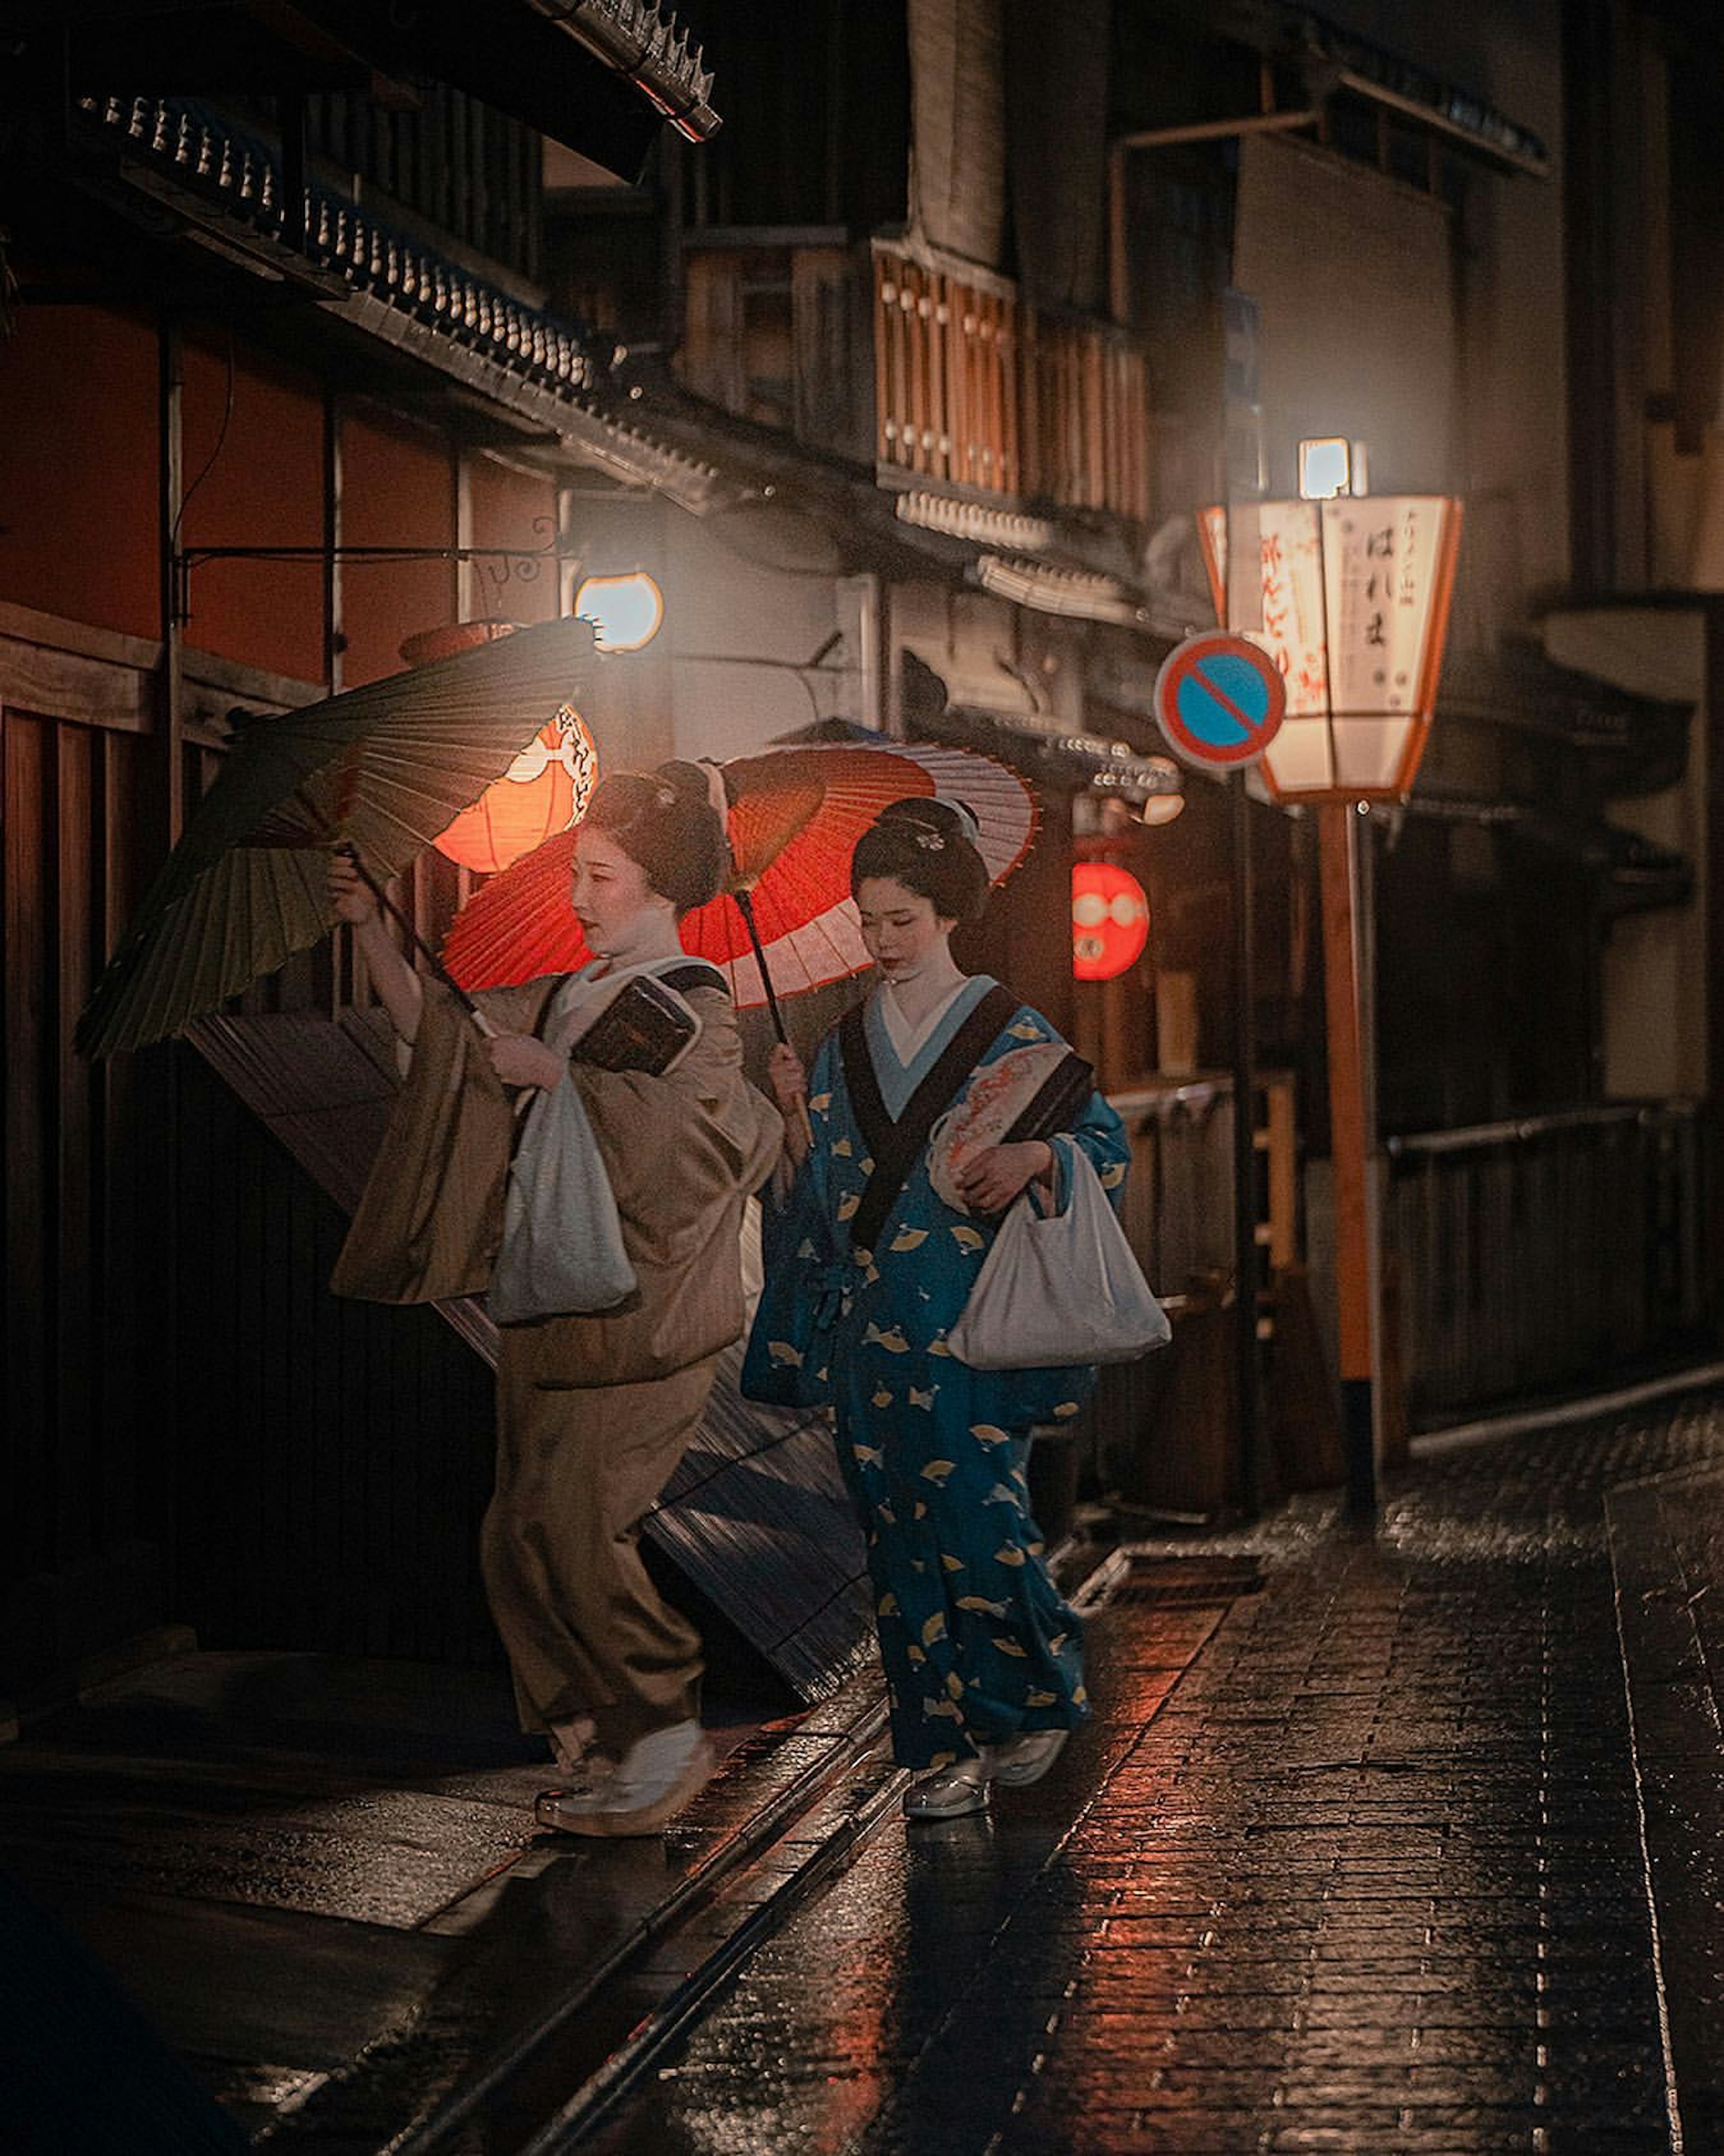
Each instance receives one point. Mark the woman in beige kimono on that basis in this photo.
(594, 1410)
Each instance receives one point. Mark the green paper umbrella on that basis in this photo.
(385, 768)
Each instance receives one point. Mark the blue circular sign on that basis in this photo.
(1219, 699)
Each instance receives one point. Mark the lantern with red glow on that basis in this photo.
(545, 790)
(1110, 920)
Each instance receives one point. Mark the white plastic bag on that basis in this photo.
(563, 1240)
(1059, 1288)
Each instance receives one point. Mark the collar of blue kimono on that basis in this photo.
(898, 1081)
(895, 1146)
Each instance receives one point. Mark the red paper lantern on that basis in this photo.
(545, 790)
(1110, 920)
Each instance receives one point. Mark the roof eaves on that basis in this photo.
(641, 41)
(396, 288)
(1372, 70)
(1051, 588)
(1283, 28)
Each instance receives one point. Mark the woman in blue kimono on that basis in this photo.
(981, 1653)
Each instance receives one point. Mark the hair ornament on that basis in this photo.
(930, 841)
(965, 815)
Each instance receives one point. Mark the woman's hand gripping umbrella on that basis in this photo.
(384, 769)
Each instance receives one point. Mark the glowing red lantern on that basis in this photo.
(545, 790)
(1110, 920)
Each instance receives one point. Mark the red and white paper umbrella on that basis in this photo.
(795, 815)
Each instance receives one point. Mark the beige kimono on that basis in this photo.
(594, 1412)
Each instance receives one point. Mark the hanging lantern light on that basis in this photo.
(545, 790)
(626, 612)
(1352, 605)
(1348, 592)
(1110, 920)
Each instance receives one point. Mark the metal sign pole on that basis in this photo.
(1244, 1157)
(1219, 701)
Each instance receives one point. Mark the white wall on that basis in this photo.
(766, 591)
(1493, 373)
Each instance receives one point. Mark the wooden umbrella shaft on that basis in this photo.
(350, 852)
(745, 907)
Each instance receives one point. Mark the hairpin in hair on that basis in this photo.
(966, 816)
(930, 839)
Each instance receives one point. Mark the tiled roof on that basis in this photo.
(233, 180)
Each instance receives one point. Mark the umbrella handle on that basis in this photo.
(349, 852)
(745, 906)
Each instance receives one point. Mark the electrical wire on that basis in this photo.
(173, 543)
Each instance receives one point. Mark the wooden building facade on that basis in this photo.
(253, 441)
(342, 325)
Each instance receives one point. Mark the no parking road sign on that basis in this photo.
(1220, 699)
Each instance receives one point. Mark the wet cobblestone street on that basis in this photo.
(1372, 1878)
(1402, 1838)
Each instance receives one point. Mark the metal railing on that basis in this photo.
(1536, 1254)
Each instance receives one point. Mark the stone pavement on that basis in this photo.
(1401, 1840)
(1372, 1877)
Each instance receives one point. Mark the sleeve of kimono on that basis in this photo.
(1098, 1130)
(431, 1218)
(1102, 1136)
(798, 1241)
(793, 1220)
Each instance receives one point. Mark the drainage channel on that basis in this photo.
(491, 2088)
(853, 1804)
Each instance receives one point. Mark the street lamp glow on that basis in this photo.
(1330, 465)
(1351, 600)
(626, 612)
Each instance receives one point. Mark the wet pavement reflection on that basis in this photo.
(1370, 1876)
(1361, 1852)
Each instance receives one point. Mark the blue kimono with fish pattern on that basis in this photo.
(975, 1640)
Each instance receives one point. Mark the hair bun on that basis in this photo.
(932, 813)
(687, 782)
(665, 820)
(929, 845)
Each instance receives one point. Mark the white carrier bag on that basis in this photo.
(562, 1249)
(1061, 1287)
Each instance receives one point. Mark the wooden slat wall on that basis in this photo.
(86, 1530)
(461, 165)
(334, 1457)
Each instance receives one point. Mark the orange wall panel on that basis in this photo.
(78, 468)
(253, 471)
(510, 509)
(397, 492)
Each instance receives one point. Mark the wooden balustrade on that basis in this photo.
(972, 390)
(975, 388)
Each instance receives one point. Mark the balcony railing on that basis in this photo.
(947, 380)
(976, 389)
(1548, 1252)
